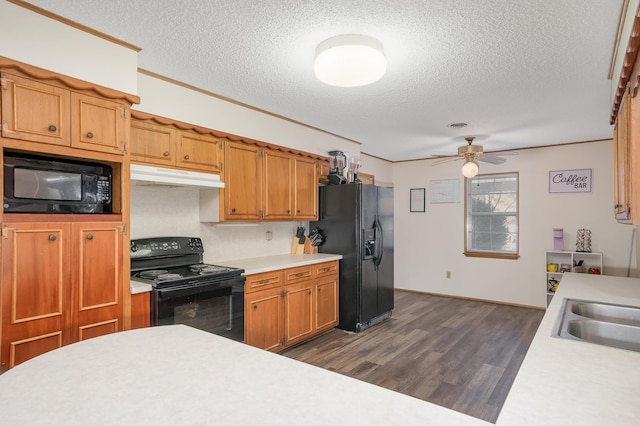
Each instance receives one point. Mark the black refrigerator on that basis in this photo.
(357, 221)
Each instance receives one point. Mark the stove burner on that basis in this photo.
(153, 273)
(203, 268)
(168, 277)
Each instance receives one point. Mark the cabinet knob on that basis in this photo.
(52, 128)
(52, 237)
(319, 289)
(233, 210)
(90, 135)
(255, 306)
(309, 292)
(298, 211)
(90, 237)
(186, 157)
(288, 211)
(166, 153)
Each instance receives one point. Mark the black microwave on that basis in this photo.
(38, 184)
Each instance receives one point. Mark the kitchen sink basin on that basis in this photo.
(606, 324)
(606, 333)
(609, 313)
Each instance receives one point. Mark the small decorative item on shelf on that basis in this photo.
(552, 267)
(565, 267)
(553, 285)
(558, 239)
(583, 241)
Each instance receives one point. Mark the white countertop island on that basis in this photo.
(177, 375)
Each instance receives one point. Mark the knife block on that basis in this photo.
(308, 248)
(296, 247)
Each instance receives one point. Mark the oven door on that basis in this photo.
(217, 307)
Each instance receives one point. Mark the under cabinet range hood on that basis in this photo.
(150, 175)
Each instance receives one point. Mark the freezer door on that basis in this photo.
(369, 286)
(385, 269)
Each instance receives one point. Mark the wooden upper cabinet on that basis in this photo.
(35, 111)
(305, 189)
(39, 112)
(243, 182)
(167, 146)
(98, 124)
(268, 184)
(278, 173)
(153, 143)
(622, 135)
(199, 152)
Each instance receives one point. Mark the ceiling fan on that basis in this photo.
(472, 154)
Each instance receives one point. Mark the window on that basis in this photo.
(491, 216)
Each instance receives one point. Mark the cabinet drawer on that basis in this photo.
(263, 281)
(326, 269)
(295, 275)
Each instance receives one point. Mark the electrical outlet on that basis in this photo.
(269, 235)
(448, 274)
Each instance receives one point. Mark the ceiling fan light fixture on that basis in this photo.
(470, 169)
(350, 60)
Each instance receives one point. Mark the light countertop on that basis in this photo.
(177, 375)
(572, 382)
(256, 265)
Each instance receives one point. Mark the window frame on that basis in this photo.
(490, 254)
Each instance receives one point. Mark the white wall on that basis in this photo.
(382, 170)
(165, 99)
(31, 38)
(430, 244)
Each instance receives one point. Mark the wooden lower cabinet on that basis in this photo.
(61, 283)
(297, 304)
(141, 310)
(264, 319)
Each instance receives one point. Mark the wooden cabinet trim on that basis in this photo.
(30, 71)
(143, 116)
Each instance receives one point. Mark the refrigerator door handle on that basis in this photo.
(379, 243)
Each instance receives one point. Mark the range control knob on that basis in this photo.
(134, 247)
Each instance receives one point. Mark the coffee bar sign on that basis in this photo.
(570, 180)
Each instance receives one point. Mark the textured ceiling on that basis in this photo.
(520, 72)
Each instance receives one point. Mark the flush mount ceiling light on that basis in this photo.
(350, 60)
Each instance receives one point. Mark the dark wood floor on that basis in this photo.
(460, 354)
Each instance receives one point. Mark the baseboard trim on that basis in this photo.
(450, 296)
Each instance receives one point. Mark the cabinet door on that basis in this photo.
(198, 152)
(34, 111)
(278, 174)
(305, 189)
(98, 124)
(263, 320)
(242, 180)
(326, 304)
(96, 277)
(298, 312)
(152, 143)
(141, 310)
(622, 207)
(35, 291)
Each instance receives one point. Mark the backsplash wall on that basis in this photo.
(168, 211)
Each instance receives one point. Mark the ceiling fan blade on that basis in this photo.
(492, 160)
(446, 160)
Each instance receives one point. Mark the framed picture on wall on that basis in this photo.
(416, 199)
